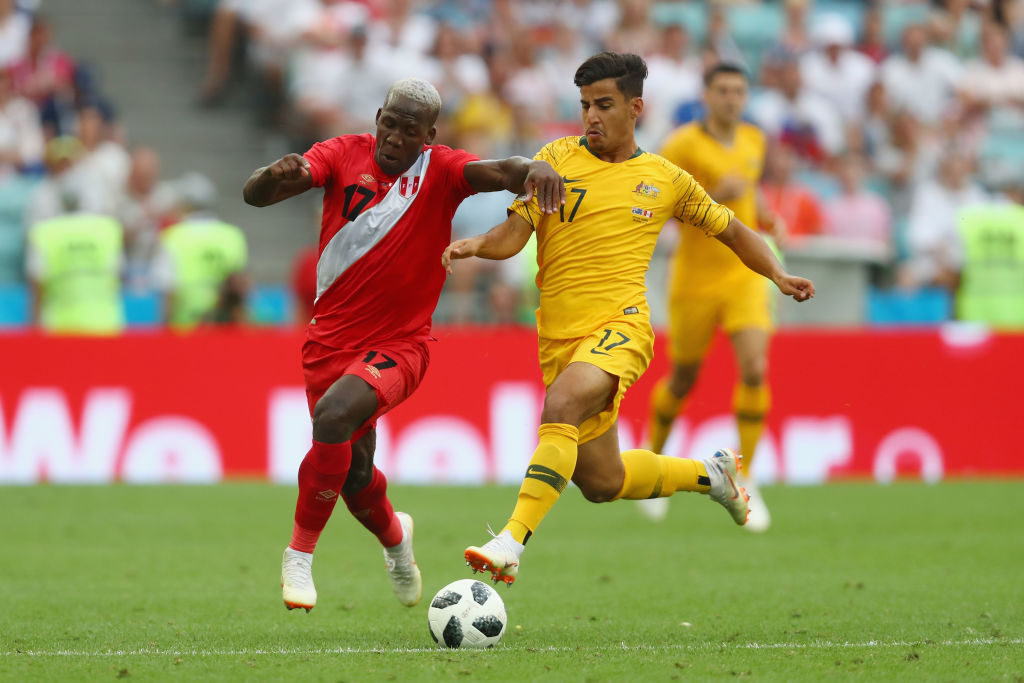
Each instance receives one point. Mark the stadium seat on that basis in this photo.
(142, 309)
(754, 27)
(852, 11)
(895, 18)
(927, 306)
(15, 191)
(823, 186)
(13, 306)
(271, 305)
(692, 15)
(1001, 155)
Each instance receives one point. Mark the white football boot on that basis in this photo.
(401, 566)
(721, 468)
(297, 580)
(654, 509)
(500, 556)
(759, 519)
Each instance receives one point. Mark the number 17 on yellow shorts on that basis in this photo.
(623, 347)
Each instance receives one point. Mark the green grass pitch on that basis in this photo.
(853, 582)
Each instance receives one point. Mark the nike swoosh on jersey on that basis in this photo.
(568, 181)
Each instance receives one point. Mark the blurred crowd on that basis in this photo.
(886, 120)
(85, 219)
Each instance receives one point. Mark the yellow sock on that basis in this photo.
(649, 475)
(665, 406)
(547, 475)
(750, 404)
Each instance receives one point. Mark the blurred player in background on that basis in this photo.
(710, 286)
(595, 336)
(388, 207)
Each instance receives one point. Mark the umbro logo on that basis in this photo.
(327, 495)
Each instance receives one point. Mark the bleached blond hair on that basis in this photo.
(419, 91)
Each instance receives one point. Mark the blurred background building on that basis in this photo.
(896, 127)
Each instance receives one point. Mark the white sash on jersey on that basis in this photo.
(359, 236)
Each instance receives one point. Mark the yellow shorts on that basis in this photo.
(622, 347)
(741, 304)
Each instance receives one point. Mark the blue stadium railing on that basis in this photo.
(267, 305)
(272, 305)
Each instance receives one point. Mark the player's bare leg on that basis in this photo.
(667, 402)
(344, 407)
(580, 391)
(751, 402)
(599, 471)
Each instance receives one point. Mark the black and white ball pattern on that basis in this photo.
(467, 613)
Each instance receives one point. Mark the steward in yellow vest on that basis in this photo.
(74, 266)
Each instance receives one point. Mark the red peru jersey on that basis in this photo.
(379, 273)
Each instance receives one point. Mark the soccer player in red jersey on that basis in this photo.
(388, 206)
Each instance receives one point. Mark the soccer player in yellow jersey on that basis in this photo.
(594, 328)
(709, 285)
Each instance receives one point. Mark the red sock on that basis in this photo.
(373, 510)
(321, 476)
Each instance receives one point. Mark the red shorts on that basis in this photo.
(394, 369)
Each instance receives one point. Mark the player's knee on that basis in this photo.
(683, 379)
(332, 421)
(599, 491)
(753, 371)
(562, 408)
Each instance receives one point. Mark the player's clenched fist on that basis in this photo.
(289, 167)
(800, 288)
(459, 249)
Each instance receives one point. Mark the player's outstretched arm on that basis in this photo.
(286, 177)
(757, 256)
(520, 176)
(500, 242)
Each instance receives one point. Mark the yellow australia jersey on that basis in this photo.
(593, 255)
(700, 263)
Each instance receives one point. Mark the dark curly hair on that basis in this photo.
(629, 72)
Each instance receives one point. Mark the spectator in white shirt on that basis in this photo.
(64, 178)
(104, 159)
(569, 48)
(455, 72)
(997, 79)
(932, 236)
(920, 78)
(146, 206)
(14, 30)
(21, 134)
(802, 119)
(834, 70)
(673, 77)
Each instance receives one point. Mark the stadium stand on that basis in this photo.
(242, 81)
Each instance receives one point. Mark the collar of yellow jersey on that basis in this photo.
(584, 145)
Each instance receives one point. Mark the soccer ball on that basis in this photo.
(466, 613)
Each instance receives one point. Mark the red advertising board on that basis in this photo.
(163, 407)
